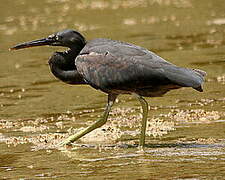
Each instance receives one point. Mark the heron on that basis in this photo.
(115, 68)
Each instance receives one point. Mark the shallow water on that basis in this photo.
(186, 128)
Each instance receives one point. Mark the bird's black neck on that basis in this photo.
(62, 65)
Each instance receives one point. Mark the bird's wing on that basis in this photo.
(115, 65)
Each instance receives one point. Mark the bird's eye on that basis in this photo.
(53, 36)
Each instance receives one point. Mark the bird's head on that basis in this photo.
(66, 38)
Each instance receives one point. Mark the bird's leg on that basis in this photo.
(97, 124)
(144, 106)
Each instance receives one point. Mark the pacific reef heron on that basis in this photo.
(114, 67)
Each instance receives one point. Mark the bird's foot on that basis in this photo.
(141, 150)
(67, 142)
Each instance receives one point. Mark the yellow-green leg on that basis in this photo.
(97, 124)
(144, 106)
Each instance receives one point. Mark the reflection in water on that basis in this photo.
(36, 110)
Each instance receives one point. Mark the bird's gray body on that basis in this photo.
(116, 68)
(121, 68)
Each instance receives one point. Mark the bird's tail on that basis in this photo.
(202, 75)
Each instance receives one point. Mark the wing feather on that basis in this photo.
(121, 66)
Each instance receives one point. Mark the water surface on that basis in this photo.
(186, 128)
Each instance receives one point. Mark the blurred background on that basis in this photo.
(187, 33)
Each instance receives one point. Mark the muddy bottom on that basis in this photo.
(182, 144)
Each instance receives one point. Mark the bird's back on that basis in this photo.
(118, 67)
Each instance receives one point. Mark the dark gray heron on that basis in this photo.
(114, 67)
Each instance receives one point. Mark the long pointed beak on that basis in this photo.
(39, 42)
